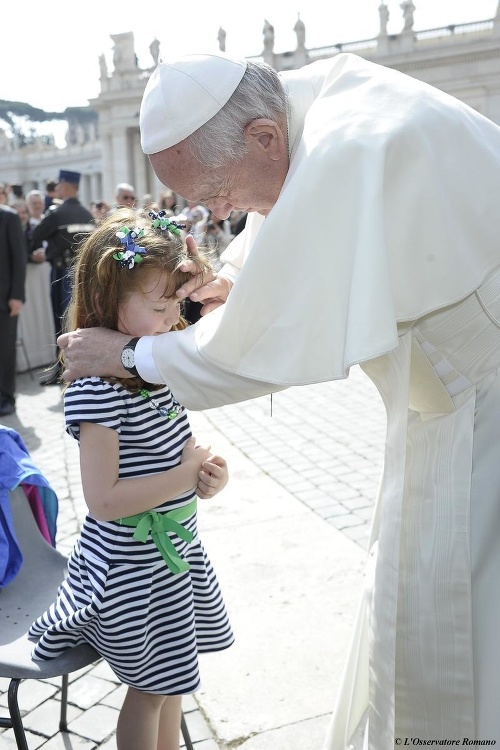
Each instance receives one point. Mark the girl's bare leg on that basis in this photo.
(139, 721)
(170, 723)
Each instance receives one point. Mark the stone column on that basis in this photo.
(84, 191)
(108, 180)
(140, 164)
(122, 170)
(95, 187)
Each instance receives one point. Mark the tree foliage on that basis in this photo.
(22, 117)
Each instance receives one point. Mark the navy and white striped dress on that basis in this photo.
(119, 594)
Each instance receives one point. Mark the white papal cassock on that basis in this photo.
(384, 250)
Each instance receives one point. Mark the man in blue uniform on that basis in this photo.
(63, 228)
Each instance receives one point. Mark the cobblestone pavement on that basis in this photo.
(323, 443)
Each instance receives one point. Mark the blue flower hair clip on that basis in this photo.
(161, 221)
(132, 254)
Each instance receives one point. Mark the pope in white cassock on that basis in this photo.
(408, 277)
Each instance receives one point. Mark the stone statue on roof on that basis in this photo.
(154, 48)
(408, 10)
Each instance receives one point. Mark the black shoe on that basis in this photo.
(6, 408)
(54, 377)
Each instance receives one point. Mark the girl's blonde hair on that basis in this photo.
(101, 284)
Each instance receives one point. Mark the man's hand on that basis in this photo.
(212, 291)
(93, 351)
(38, 256)
(15, 307)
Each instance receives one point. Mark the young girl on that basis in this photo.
(140, 587)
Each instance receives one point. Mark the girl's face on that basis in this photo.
(147, 312)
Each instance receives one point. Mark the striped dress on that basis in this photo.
(120, 595)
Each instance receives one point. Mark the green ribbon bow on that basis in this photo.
(159, 524)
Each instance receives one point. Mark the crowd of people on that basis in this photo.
(49, 250)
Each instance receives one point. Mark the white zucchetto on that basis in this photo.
(183, 95)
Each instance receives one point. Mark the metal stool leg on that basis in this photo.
(15, 716)
(185, 733)
(63, 722)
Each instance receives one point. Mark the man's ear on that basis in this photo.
(267, 136)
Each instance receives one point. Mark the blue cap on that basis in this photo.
(66, 176)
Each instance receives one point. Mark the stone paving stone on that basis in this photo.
(356, 504)
(366, 513)
(298, 485)
(104, 671)
(189, 703)
(32, 693)
(198, 727)
(315, 499)
(359, 534)
(74, 676)
(109, 744)
(8, 741)
(97, 723)
(44, 719)
(334, 510)
(115, 698)
(67, 741)
(89, 690)
(349, 520)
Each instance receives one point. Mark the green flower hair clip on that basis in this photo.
(161, 221)
(132, 253)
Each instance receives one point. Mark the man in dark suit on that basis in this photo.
(12, 277)
(63, 228)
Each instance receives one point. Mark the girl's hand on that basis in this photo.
(195, 454)
(212, 478)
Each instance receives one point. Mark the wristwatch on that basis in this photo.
(128, 357)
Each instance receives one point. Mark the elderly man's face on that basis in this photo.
(252, 184)
(125, 198)
(36, 206)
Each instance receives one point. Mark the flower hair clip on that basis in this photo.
(161, 221)
(132, 253)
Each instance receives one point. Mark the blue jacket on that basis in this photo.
(17, 467)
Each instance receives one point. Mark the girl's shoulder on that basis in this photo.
(94, 399)
(94, 387)
(88, 390)
(94, 384)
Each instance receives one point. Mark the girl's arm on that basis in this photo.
(109, 497)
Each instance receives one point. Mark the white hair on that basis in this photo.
(260, 94)
(124, 187)
(33, 193)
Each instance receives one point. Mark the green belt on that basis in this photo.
(159, 524)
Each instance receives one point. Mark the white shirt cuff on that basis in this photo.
(229, 271)
(144, 360)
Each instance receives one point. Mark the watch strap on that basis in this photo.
(131, 345)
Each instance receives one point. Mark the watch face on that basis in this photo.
(128, 359)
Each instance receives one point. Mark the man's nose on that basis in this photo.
(220, 209)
